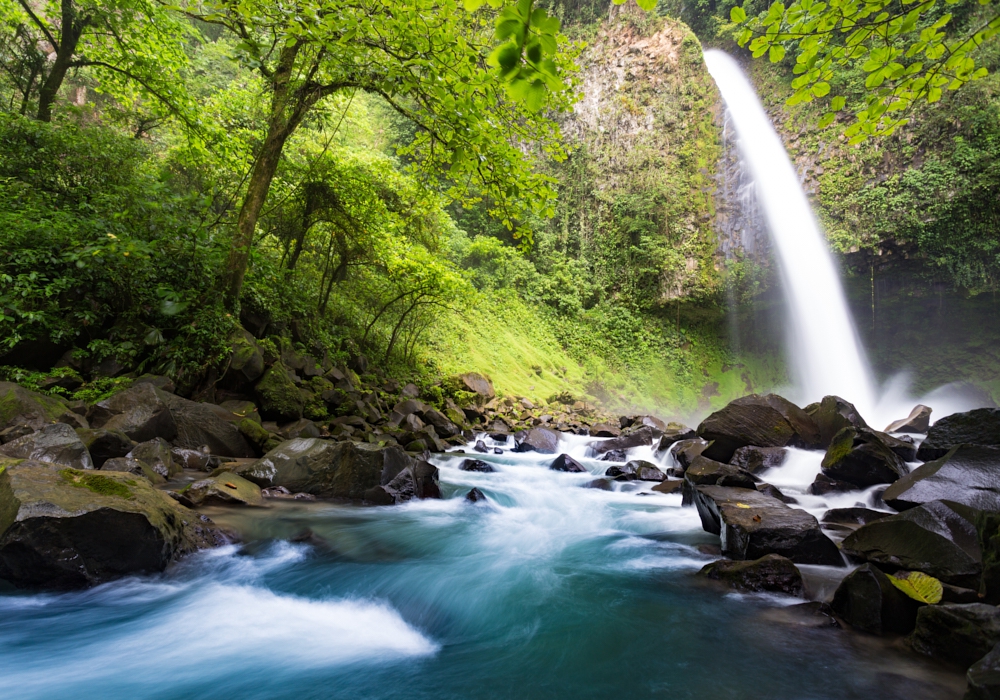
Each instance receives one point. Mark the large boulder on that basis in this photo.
(141, 412)
(771, 573)
(565, 463)
(957, 633)
(133, 466)
(641, 437)
(763, 421)
(918, 421)
(66, 528)
(32, 411)
(752, 524)
(223, 489)
(978, 427)
(158, 456)
(57, 444)
(326, 468)
(537, 440)
(859, 457)
(685, 451)
(867, 600)
(105, 444)
(708, 472)
(246, 361)
(832, 415)
(969, 475)
(278, 398)
(476, 383)
(758, 460)
(415, 478)
(201, 424)
(984, 677)
(938, 538)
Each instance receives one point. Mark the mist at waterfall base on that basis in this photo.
(547, 590)
(823, 346)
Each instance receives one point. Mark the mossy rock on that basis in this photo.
(254, 432)
(280, 399)
(20, 406)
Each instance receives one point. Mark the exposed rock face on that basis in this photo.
(960, 634)
(758, 460)
(824, 484)
(105, 444)
(133, 466)
(853, 516)
(141, 412)
(832, 415)
(223, 489)
(158, 456)
(478, 384)
(868, 601)
(604, 430)
(475, 465)
(278, 397)
(969, 475)
(537, 440)
(414, 479)
(752, 524)
(669, 486)
(918, 421)
(984, 677)
(707, 472)
(641, 437)
(685, 451)
(771, 573)
(978, 427)
(66, 528)
(565, 463)
(937, 538)
(859, 457)
(200, 424)
(675, 432)
(475, 496)
(57, 443)
(762, 421)
(33, 411)
(636, 469)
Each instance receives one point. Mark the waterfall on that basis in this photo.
(824, 349)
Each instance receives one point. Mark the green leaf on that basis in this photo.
(821, 89)
(826, 120)
(919, 586)
(837, 103)
(473, 5)
(646, 5)
(738, 15)
(776, 53)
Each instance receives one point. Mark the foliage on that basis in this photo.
(919, 586)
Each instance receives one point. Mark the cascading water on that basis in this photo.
(825, 351)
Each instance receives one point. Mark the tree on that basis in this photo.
(910, 51)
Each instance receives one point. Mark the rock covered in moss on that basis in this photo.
(141, 412)
(832, 415)
(67, 528)
(31, 411)
(223, 489)
(133, 466)
(57, 443)
(279, 398)
(859, 457)
(771, 573)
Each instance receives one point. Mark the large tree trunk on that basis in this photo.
(72, 29)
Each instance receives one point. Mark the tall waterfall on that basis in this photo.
(824, 349)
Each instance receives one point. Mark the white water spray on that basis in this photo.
(824, 348)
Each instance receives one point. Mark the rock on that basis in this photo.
(752, 524)
(31, 410)
(983, 677)
(904, 446)
(640, 438)
(937, 538)
(159, 381)
(300, 428)
(614, 456)
(478, 384)
(481, 447)
(811, 615)
(65, 528)
(859, 457)
(673, 432)
(959, 634)
(326, 468)
(57, 444)
(918, 421)
(104, 444)
(141, 412)
(645, 471)
(771, 573)
(853, 516)
(224, 489)
(201, 424)
(475, 496)
(158, 456)
(978, 427)
(278, 397)
(133, 466)
(198, 460)
(707, 472)
(823, 484)
(773, 492)
(604, 430)
(241, 409)
(246, 361)
(685, 451)
(764, 421)
(669, 486)
(415, 479)
(832, 415)
(757, 460)
(969, 474)
(565, 463)
(537, 440)
(599, 484)
(254, 433)
(867, 600)
(442, 424)
(476, 465)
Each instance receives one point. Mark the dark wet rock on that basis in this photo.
(475, 496)
(978, 427)
(443, 425)
(674, 432)
(832, 415)
(903, 445)
(861, 458)
(637, 469)
(763, 421)
(959, 634)
(416, 479)
(823, 484)
(752, 524)
(105, 444)
(758, 460)
(277, 396)
(199, 460)
(811, 615)
(853, 516)
(565, 463)
(301, 428)
(57, 443)
(481, 447)
(708, 472)
(158, 456)
(620, 473)
(32, 411)
(599, 484)
(614, 456)
(201, 424)
(867, 600)
(642, 437)
(669, 486)
(604, 430)
(774, 492)
(983, 677)
(957, 594)
(937, 538)
(969, 474)
(537, 440)
(141, 412)
(918, 421)
(133, 466)
(497, 451)
(224, 489)
(475, 465)
(771, 573)
(685, 451)
(65, 528)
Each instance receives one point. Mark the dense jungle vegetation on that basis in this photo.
(433, 186)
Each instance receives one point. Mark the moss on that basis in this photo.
(98, 483)
(840, 447)
(279, 395)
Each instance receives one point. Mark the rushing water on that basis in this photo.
(549, 590)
